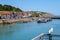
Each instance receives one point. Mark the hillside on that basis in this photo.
(9, 8)
(41, 14)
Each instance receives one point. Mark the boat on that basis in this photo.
(25, 21)
(49, 19)
(41, 21)
(44, 20)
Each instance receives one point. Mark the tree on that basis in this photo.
(9, 8)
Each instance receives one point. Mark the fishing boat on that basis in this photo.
(44, 20)
(41, 21)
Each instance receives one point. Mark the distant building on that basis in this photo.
(27, 14)
(13, 15)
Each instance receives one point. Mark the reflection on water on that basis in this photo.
(6, 29)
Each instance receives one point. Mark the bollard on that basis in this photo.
(50, 36)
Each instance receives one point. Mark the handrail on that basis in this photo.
(50, 36)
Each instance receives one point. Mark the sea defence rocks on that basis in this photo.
(23, 20)
(1, 21)
(9, 21)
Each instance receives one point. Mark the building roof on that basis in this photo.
(5, 12)
(10, 12)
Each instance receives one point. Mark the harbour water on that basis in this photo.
(27, 31)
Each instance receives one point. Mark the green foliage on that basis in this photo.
(34, 14)
(9, 8)
(40, 14)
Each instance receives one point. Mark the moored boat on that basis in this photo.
(41, 21)
(44, 20)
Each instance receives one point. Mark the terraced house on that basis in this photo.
(13, 15)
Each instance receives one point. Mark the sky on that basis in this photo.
(50, 6)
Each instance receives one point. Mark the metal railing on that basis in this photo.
(47, 37)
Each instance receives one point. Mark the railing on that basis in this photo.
(47, 37)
